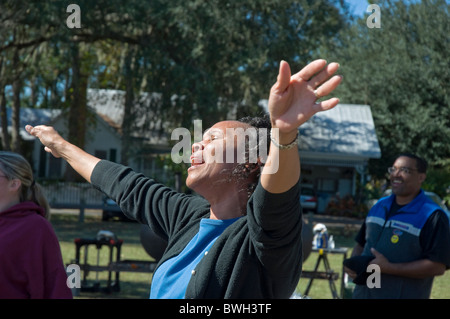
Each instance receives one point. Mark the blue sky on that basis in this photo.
(358, 7)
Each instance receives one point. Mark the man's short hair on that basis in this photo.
(421, 163)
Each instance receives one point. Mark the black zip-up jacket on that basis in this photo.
(258, 256)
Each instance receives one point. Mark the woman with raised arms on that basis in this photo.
(242, 237)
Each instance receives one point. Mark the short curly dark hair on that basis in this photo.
(243, 170)
(259, 122)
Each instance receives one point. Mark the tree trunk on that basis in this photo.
(4, 120)
(34, 92)
(77, 115)
(129, 102)
(3, 114)
(15, 116)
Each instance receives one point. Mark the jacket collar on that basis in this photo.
(412, 207)
(23, 208)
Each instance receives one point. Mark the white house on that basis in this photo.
(102, 140)
(335, 147)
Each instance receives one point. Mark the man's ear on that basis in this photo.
(422, 177)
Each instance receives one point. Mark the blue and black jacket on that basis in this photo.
(398, 237)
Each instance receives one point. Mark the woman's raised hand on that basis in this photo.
(48, 136)
(293, 99)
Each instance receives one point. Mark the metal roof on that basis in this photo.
(110, 105)
(345, 130)
(345, 133)
(32, 117)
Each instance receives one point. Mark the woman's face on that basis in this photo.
(4, 183)
(9, 190)
(215, 157)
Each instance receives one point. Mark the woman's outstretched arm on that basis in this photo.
(81, 161)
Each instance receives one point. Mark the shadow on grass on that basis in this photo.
(67, 228)
(128, 290)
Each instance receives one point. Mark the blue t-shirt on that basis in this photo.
(171, 279)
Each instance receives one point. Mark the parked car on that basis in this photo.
(112, 211)
(433, 196)
(308, 199)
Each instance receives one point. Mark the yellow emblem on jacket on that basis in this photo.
(394, 239)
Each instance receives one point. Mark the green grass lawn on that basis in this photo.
(136, 285)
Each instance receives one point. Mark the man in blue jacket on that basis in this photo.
(406, 234)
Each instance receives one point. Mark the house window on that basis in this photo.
(42, 162)
(54, 167)
(326, 185)
(113, 155)
(101, 154)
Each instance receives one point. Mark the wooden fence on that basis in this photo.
(73, 196)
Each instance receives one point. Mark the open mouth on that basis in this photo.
(197, 159)
(396, 182)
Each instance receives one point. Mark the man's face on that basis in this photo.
(405, 179)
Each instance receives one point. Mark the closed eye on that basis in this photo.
(212, 135)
